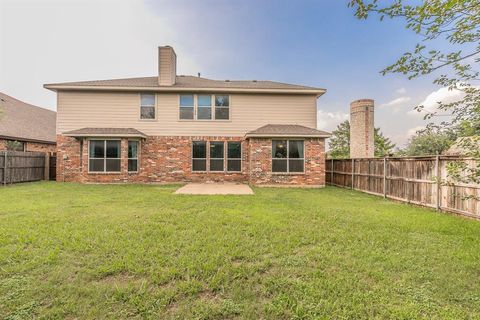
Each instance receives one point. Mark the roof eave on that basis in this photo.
(7, 137)
(105, 135)
(278, 135)
(58, 87)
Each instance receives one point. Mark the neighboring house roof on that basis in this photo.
(287, 130)
(106, 132)
(23, 121)
(187, 83)
(463, 146)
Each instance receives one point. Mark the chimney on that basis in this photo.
(361, 129)
(167, 66)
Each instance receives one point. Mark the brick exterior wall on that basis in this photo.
(168, 160)
(32, 146)
(261, 164)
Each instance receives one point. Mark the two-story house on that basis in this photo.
(174, 128)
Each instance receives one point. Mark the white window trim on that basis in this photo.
(137, 158)
(104, 157)
(241, 156)
(154, 106)
(288, 158)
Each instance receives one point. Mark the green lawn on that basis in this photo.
(96, 251)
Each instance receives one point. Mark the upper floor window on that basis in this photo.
(204, 107)
(288, 156)
(222, 107)
(147, 106)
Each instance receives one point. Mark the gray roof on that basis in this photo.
(23, 121)
(184, 82)
(287, 130)
(106, 132)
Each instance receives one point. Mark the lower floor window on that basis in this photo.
(218, 152)
(132, 156)
(104, 156)
(14, 145)
(288, 156)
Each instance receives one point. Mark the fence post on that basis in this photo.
(353, 172)
(331, 174)
(47, 167)
(438, 178)
(5, 169)
(384, 177)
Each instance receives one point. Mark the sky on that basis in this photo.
(317, 43)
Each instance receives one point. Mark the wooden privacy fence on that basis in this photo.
(418, 180)
(17, 166)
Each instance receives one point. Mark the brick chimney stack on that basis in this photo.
(167, 66)
(362, 129)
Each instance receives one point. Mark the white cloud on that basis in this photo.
(430, 103)
(401, 91)
(396, 102)
(330, 120)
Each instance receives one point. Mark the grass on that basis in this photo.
(130, 251)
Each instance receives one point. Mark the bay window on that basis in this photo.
(132, 156)
(234, 156)
(199, 156)
(288, 156)
(216, 156)
(104, 156)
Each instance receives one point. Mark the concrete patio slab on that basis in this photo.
(215, 188)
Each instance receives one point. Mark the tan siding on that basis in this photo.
(77, 110)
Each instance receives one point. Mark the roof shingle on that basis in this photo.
(184, 82)
(106, 132)
(23, 121)
(286, 130)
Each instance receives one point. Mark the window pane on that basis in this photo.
(147, 113)
(222, 113)
(222, 101)
(279, 165)
(113, 165)
(97, 149)
(186, 100)
(216, 165)
(204, 100)
(132, 149)
(147, 100)
(204, 113)
(216, 150)
(199, 149)
(234, 165)
(113, 149)
(199, 165)
(234, 150)
(96, 165)
(295, 165)
(295, 149)
(186, 113)
(279, 148)
(132, 165)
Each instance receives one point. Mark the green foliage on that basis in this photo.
(340, 142)
(71, 251)
(456, 22)
(14, 145)
(427, 143)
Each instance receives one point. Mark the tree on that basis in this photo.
(456, 22)
(427, 143)
(340, 142)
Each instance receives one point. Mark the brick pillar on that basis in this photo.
(362, 129)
